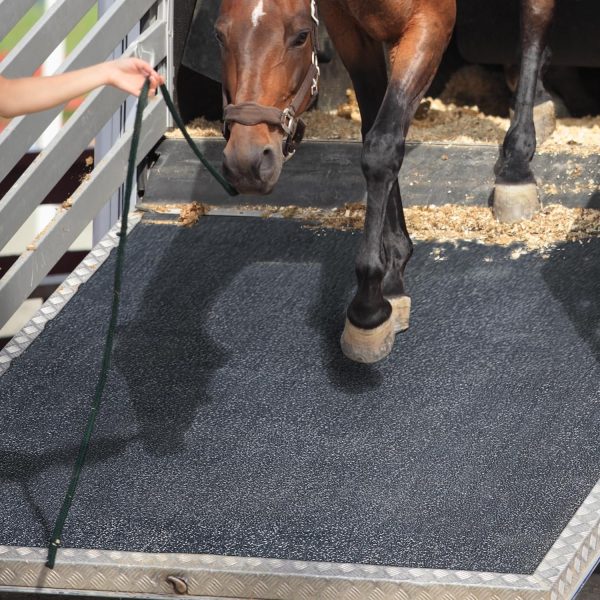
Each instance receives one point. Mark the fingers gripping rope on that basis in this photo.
(55, 541)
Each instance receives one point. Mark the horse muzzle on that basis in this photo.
(252, 168)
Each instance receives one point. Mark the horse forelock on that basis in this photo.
(256, 10)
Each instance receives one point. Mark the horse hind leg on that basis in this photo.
(544, 107)
(515, 194)
(398, 249)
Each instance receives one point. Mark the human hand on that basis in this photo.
(129, 75)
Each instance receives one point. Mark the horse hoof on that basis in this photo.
(400, 312)
(515, 202)
(544, 119)
(368, 345)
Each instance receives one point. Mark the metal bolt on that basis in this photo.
(179, 584)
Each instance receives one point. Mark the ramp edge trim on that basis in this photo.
(59, 299)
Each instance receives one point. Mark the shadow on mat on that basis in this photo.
(20, 467)
(572, 273)
(327, 317)
(166, 354)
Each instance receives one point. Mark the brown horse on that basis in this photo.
(270, 76)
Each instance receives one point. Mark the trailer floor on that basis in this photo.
(232, 424)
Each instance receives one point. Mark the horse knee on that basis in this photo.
(382, 157)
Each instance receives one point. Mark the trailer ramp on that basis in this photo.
(238, 451)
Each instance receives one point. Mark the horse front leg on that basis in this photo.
(515, 193)
(385, 247)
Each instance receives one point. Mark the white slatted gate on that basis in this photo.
(117, 19)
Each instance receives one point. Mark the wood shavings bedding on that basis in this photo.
(553, 225)
(472, 109)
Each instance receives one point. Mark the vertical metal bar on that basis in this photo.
(166, 12)
(50, 66)
(107, 137)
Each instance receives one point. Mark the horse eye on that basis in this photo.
(301, 39)
(219, 37)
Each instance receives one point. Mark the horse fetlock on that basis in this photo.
(514, 167)
(369, 311)
(515, 202)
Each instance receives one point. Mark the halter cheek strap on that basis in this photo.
(251, 113)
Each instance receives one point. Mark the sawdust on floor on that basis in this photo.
(191, 213)
(553, 225)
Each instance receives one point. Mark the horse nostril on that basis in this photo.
(268, 162)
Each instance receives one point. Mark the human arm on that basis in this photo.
(32, 94)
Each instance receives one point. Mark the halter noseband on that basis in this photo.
(251, 113)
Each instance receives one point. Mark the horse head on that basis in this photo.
(270, 76)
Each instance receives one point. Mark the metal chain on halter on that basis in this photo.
(315, 57)
(314, 89)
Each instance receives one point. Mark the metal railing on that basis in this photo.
(21, 133)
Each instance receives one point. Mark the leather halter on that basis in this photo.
(251, 113)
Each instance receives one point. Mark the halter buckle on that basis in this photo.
(287, 121)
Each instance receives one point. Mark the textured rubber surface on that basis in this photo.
(232, 423)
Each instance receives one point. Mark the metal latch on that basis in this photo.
(147, 55)
(179, 584)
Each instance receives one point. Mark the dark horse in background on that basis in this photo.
(270, 77)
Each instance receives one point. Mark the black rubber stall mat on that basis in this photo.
(232, 424)
(328, 174)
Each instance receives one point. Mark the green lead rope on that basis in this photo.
(176, 116)
(55, 540)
